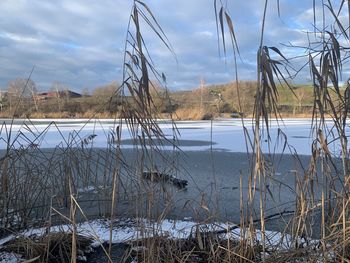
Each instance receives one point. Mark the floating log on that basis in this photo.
(162, 177)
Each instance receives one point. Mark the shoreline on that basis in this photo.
(93, 117)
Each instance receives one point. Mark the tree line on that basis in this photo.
(22, 99)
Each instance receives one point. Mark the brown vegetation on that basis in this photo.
(52, 247)
(207, 102)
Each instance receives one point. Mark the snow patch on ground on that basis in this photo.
(133, 229)
(6, 257)
(87, 189)
(127, 230)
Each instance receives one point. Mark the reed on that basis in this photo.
(41, 188)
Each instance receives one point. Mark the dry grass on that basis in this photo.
(194, 249)
(180, 114)
(64, 115)
(195, 113)
(297, 115)
(209, 248)
(53, 247)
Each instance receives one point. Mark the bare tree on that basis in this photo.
(105, 91)
(85, 92)
(59, 89)
(22, 89)
(300, 94)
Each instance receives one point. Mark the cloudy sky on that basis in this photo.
(79, 43)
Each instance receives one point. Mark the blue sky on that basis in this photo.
(80, 43)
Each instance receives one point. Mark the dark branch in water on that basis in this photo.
(162, 177)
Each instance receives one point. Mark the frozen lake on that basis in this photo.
(223, 135)
(213, 176)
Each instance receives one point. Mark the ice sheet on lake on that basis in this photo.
(225, 135)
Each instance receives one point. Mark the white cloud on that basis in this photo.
(20, 38)
(80, 42)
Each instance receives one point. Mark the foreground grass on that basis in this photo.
(162, 241)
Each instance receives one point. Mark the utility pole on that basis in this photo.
(201, 89)
(1, 100)
(34, 96)
(58, 95)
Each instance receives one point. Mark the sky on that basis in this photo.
(80, 43)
